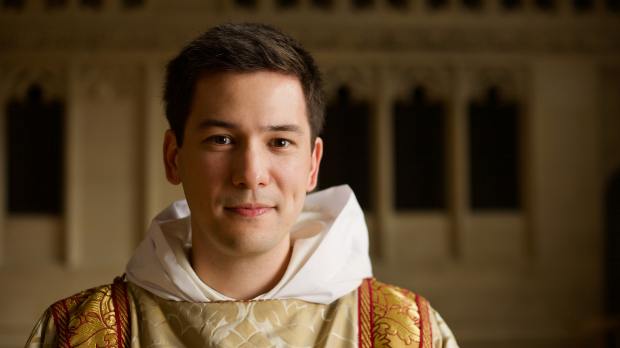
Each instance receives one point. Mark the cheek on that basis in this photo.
(293, 176)
(205, 173)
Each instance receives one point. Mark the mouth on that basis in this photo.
(249, 210)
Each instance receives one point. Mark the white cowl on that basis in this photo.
(329, 258)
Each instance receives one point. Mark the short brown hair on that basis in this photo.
(246, 47)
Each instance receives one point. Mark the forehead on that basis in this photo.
(258, 98)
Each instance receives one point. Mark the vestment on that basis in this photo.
(326, 298)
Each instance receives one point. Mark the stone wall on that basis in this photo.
(531, 276)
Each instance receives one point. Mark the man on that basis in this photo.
(257, 263)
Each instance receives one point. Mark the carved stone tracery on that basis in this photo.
(361, 81)
(19, 77)
(438, 81)
(511, 81)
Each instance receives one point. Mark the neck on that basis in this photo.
(236, 276)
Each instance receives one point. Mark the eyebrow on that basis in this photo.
(284, 128)
(216, 123)
(229, 125)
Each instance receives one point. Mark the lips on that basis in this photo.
(249, 210)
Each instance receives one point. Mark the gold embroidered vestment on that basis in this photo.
(124, 315)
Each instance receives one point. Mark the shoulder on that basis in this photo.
(393, 292)
(394, 316)
(76, 302)
(105, 301)
(93, 317)
(391, 316)
(386, 296)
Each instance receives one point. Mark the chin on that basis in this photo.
(246, 238)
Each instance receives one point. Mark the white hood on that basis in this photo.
(329, 258)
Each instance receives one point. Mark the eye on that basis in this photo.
(219, 140)
(281, 142)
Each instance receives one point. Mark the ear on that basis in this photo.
(171, 153)
(317, 154)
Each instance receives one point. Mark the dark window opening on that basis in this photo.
(324, 4)
(246, 3)
(129, 4)
(15, 4)
(363, 4)
(612, 256)
(494, 153)
(94, 4)
(34, 143)
(285, 4)
(347, 139)
(583, 5)
(436, 4)
(55, 4)
(472, 4)
(399, 4)
(511, 4)
(546, 5)
(419, 144)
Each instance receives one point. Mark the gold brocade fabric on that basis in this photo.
(375, 315)
(94, 323)
(396, 317)
(270, 323)
(95, 317)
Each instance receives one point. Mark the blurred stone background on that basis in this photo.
(482, 138)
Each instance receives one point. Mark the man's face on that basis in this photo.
(246, 161)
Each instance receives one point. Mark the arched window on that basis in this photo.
(399, 4)
(132, 3)
(511, 4)
(436, 4)
(34, 143)
(16, 4)
(419, 144)
(494, 152)
(472, 4)
(546, 5)
(250, 4)
(347, 138)
(324, 4)
(583, 5)
(362, 4)
(612, 244)
(94, 4)
(285, 4)
(55, 4)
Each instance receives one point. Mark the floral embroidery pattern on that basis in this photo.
(89, 319)
(398, 317)
(267, 323)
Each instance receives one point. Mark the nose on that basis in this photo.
(250, 168)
